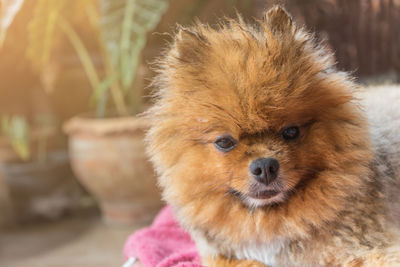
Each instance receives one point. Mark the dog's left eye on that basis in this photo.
(225, 143)
(290, 133)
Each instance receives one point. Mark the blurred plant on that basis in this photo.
(8, 10)
(29, 142)
(17, 130)
(122, 26)
(44, 32)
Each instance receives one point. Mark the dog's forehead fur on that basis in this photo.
(253, 76)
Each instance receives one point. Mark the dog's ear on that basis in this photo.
(190, 44)
(278, 20)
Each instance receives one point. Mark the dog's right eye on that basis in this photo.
(225, 143)
(290, 133)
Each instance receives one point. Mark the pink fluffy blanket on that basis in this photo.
(163, 244)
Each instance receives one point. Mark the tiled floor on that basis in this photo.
(82, 241)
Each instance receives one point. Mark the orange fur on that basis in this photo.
(251, 81)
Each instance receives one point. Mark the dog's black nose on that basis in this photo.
(265, 170)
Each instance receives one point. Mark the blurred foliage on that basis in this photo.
(122, 26)
(29, 139)
(17, 130)
(43, 29)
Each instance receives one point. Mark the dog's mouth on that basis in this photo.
(260, 195)
(264, 194)
(259, 198)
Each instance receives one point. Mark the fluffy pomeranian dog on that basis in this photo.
(263, 151)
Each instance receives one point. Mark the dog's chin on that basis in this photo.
(260, 198)
(270, 198)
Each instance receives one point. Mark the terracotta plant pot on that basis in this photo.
(108, 158)
(40, 190)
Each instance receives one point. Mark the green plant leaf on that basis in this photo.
(42, 30)
(17, 131)
(124, 26)
(81, 51)
(102, 87)
(100, 94)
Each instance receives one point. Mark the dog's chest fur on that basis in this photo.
(263, 252)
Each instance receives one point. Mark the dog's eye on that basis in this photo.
(290, 133)
(225, 143)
